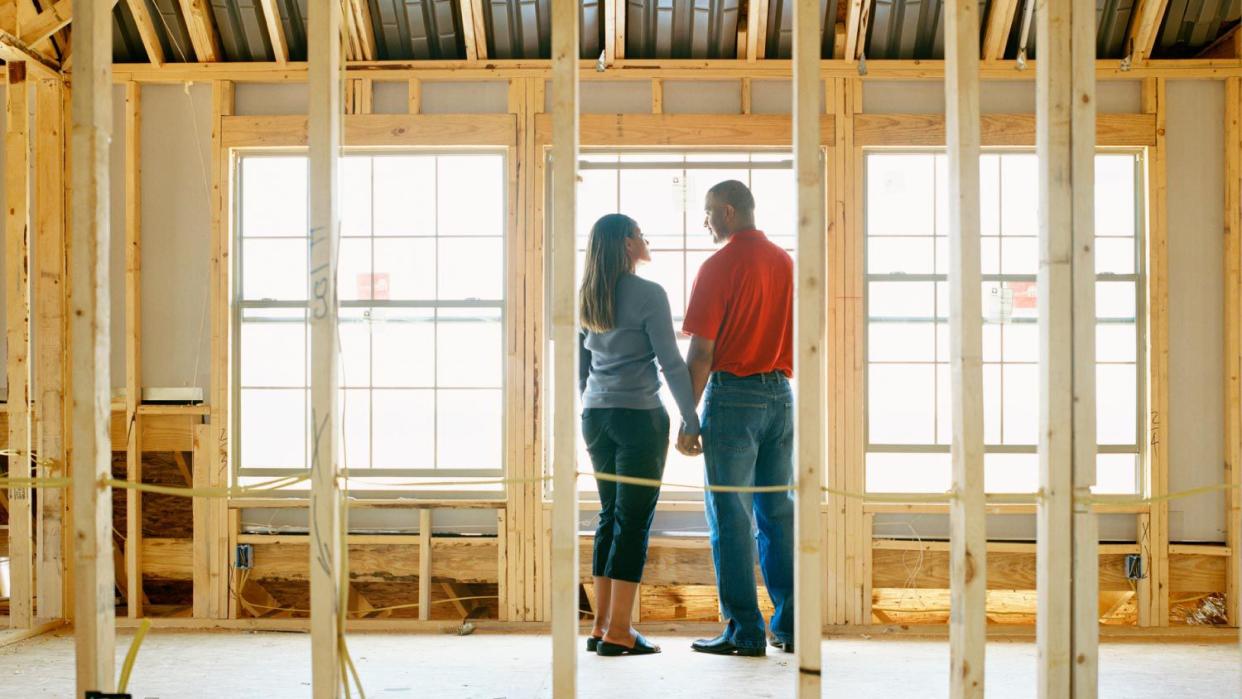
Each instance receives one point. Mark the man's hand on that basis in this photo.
(688, 444)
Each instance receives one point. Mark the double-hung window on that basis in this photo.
(664, 192)
(908, 386)
(420, 278)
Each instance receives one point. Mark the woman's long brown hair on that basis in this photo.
(606, 261)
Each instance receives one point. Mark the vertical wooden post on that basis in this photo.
(1067, 628)
(1233, 345)
(564, 599)
(810, 342)
(324, 138)
(17, 326)
(49, 343)
(424, 564)
(200, 467)
(968, 523)
(1153, 588)
(89, 347)
(133, 356)
(218, 472)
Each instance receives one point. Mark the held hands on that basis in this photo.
(688, 444)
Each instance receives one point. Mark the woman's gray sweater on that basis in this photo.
(617, 369)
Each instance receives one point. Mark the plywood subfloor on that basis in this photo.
(492, 665)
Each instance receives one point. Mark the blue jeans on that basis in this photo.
(748, 440)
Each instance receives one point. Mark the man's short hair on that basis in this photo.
(734, 194)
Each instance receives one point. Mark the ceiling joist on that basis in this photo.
(202, 30)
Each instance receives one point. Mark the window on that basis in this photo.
(908, 389)
(664, 193)
(421, 287)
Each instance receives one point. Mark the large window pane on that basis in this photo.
(403, 343)
(355, 192)
(900, 194)
(405, 195)
(471, 268)
(273, 348)
(274, 192)
(273, 424)
(908, 473)
(405, 269)
(470, 195)
(469, 345)
(468, 427)
(902, 403)
(1115, 409)
(274, 269)
(403, 431)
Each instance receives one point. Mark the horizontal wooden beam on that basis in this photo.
(684, 130)
(646, 69)
(48, 22)
(15, 50)
(997, 129)
(376, 130)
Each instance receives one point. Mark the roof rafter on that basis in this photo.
(473, 29)
(47, 22)
(275, 30)
(202, 30)
(856, 29)
(1144, 26)
(756, 29)
(999, 24)
(366, 33)
(146, 31)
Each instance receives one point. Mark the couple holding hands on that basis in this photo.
(740, 323)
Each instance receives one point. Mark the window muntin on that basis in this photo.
(421, 323)
(664, 193)
(908, 389)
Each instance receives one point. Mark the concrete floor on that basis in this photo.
(492, 665)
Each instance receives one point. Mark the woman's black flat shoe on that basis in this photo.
(593, 643)
(641, 647)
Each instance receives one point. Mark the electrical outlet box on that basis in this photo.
(243, 557)
(1134, 566)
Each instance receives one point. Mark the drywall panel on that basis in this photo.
(116, 243)
(390, 97)
(703, 96)
(615, 97)
(176, 235)
(270, 98)
(490, 97)
(903, 97)
(1118, 96)
(1195, 138)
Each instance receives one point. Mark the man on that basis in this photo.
(740, 319)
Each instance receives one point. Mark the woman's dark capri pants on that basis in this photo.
(625, 442)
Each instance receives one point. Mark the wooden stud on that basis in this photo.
(146, 31)
(218, 471)
(1153, 588)
(424, 564)
(415, 96)
(746, 93)
(200, 467)
(1147, 17)
(810, 343)
(17, 144)
(564, 551)
(996, 33)
(202, 30)
(968, 521)
(275, 31)
(49, 343)
(1233, 346)
(94, 612)
(327, 555)
(657, 96)
(133, 348)
(1067, 625)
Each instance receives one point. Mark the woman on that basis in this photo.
(627, 328)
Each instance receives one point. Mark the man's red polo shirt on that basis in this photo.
(743, 299)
